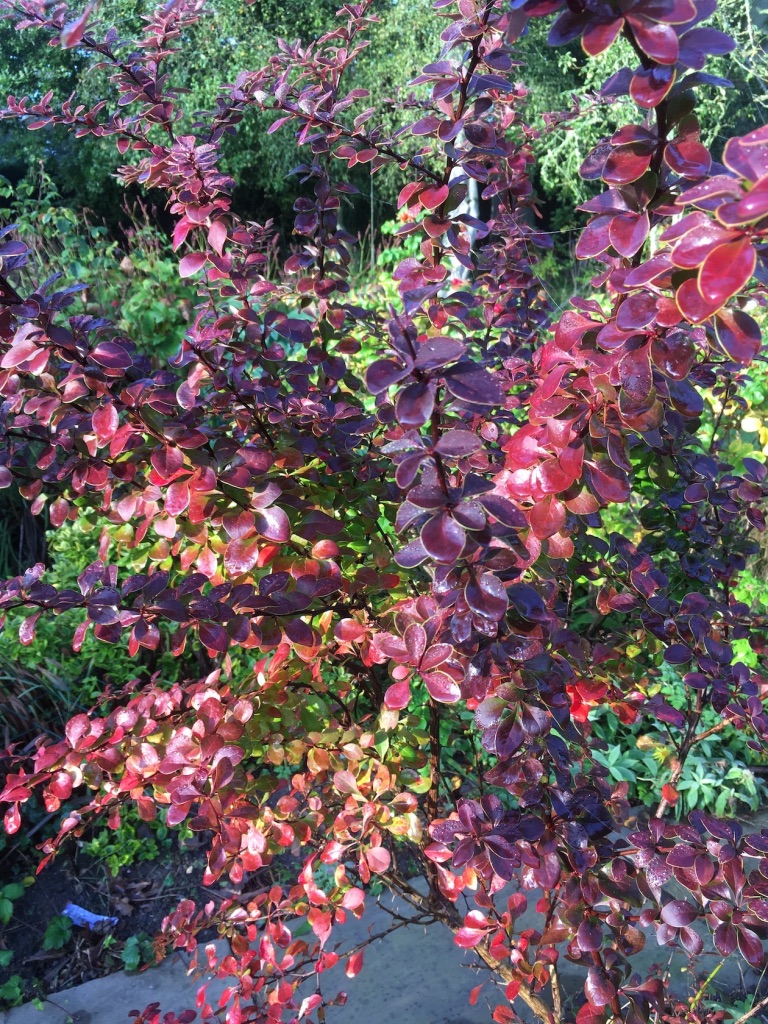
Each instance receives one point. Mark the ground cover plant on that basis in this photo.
(397, 600)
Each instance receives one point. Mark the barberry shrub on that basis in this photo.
(367, 576)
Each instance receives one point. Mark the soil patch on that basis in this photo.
(140, 896)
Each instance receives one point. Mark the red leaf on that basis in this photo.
(442, 687)
(76, 728)
(73, 31)
(354, 964)
(468, 937)
(649, 86)
(474, 994)
(432, 197)
(691, 303)
(598, 36)
(504, 1014)
(241, 556)
(547, 517)
(726, 271)
(655, 38)
(628, 232)
(407, 192)
(688, 157)
(217, 236)
(12, 820)
(626, 164)
(177, 497)
(27, 629)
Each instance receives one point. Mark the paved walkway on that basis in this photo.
(413, 976)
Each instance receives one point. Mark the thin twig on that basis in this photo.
(752, 1012)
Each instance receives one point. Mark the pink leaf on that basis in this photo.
(191, 263)
(378, 859)
(398, 696)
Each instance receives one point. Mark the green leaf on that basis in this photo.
(12, 992)
(6, 955)
(13, 891)
(58, 933)
(131, 954)
(6, 910)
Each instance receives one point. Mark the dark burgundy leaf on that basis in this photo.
(458, 443)
(436, 352)
(475, 387)
(214, 637)
(678, 914)
(442, 538)
(273, 524)
(738, 334)
(589, 936)
(750, 946)
(598, 988)
(382, 374)
(415, 404)
(724, 938)
(486, 595)
(112, 355)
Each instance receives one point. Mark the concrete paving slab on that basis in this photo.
(415, 975)
(109, 1000)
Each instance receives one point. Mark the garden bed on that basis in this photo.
(49, 953)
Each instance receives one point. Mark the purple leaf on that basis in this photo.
(382, 374)
(598, 988)
(411, 555)
(458, 443)
(678, 914)
(273, 524)
(486, 596)
(214, 637)
(589, 936)
(443, 539)
(112, 355)
(475, 387)
(415, 404)
(436, 352)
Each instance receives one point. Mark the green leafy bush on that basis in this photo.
(134, 841)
